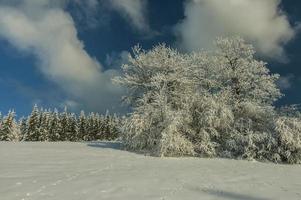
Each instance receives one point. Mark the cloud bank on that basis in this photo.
(44, 29)
(259, 21)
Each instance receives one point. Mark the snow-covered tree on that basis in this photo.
(54, 126)
(44, 125)
(15, 132)
(208, 103)
(157, 83)
(23, 127)
(288, 133)
(1, 124)
(82, 126)
(97, 125)
(47, 125)
(6, 127)
(90, 127)
(64, 125)
(247, 78)
(10, 130)
(33, 129)
(72, 134)
(115, 123)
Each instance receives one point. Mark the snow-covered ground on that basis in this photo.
(96, 171)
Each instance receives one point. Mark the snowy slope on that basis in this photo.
(96, 171)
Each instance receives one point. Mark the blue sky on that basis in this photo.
(40, 41)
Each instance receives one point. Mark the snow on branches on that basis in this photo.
(206, 104)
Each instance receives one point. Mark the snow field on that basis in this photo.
(96, 171)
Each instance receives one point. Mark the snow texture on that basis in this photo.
(96, 171)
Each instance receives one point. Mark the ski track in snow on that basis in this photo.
(96, 171)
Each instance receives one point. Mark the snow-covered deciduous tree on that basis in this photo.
(156, 85)
(288, 131)
(205, 104)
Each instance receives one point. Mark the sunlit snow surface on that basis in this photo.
(96, 171)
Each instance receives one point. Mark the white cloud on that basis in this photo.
(134, 11)
(70, 104)
(258, 21)
(285, 82)
(44, 29)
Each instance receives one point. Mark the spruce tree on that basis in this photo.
(89, 127)
(33, 130)
(54, 126)
(10, 130)
(114, 126)
(15, 132)
(7, 126)
(1, 124)
(97, 122)
(44, 125)
(82, 126)
(106, 126)
(64, 125)
(101, 125)
(72, 134)
(23, 127)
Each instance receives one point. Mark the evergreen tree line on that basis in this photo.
(48, 125)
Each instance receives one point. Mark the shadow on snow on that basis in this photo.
(231, 195)
(106, 145)
(117, 146)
